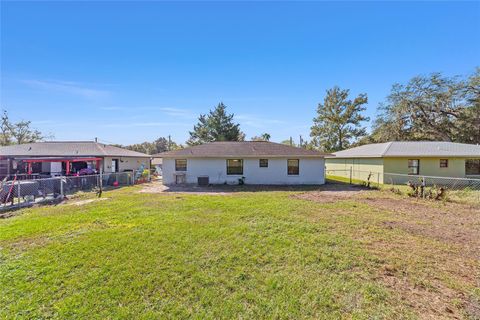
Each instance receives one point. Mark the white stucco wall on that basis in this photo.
(311, 171)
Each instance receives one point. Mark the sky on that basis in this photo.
(128, 72)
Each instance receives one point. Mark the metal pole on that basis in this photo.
(61, 187)
(350, 175)
(18, 191)
(101, 182)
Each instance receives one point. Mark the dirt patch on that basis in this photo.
(84, 202)
(332, 193)
(431, 303)
(223, 189)
(432, 256)
(449, 222)
(157, 187)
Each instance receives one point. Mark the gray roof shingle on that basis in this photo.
(68, 149)
(229, 149)
(411, 149)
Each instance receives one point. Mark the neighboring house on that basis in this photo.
(416, 158)
(254, 162)
(68, 157)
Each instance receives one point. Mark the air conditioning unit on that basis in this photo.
(203, 181)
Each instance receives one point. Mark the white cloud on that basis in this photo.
(67, 87)
(177, 112)
(174, 112)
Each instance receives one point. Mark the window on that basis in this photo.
(472, 167)
(234, 166)
(293, 167)
(180, 164)
(263, 163)
(443, 163)
(413, 166)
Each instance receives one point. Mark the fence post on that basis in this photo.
(18, 191)
(100, 184)
(61, 187)
(378, 179)
(133, 177)
(350, 175)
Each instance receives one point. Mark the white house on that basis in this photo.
(253, 162)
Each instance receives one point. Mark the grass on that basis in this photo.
(244, 255)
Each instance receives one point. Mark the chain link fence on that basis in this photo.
(450, 183)
(468, 188)
(367, 178)
(19, 191)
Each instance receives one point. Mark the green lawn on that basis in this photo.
(246, 255)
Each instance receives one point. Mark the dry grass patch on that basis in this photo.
(428, 252)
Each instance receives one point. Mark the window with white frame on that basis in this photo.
(413, 166)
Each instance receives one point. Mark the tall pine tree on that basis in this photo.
(339, 120)
(217, 125)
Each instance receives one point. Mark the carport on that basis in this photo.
(67, 161)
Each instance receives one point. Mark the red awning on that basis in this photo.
(59, 159)
(67, 160)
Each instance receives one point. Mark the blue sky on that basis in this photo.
(130, 72)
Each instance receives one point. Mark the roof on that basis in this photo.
(244, 149)
(68, 149)
(411, 149)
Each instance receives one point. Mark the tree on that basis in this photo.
(217, 125)
(470, 118)
(339, 120)
(431, 108)
(17, 133)
(289, 142)
(159, 145)
(262, 137)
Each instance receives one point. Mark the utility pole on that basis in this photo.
(301, 142)
(169, 142)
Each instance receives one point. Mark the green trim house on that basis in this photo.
(415, 158)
